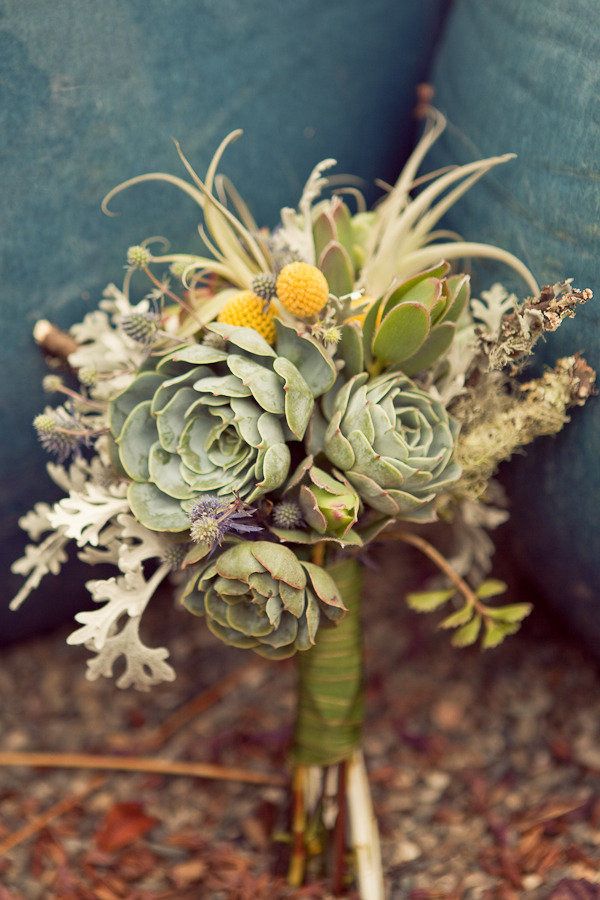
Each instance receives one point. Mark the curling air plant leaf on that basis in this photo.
(238, 251)
(402, 237)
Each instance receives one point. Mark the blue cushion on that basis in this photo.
(524, 77)
(93, 93)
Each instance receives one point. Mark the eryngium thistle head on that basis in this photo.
(259, 595)
(206, 530)
(263, 286)
(138, 256)
(175, 554)
(52, 383)
(208, 505)
(287, 514)
(141, 327)
(213, 517)
(394, 442)
(87, 375)
(53, 433)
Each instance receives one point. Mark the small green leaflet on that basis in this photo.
(428, 601)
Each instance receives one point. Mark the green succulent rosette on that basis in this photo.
(216, 419)
(258, 595)
(328, 504)
(413, 325)
(394, 443)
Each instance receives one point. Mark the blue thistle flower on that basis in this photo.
(212, 518)
(61, 433)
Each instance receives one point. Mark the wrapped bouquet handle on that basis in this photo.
(330, 682)
(246, 423)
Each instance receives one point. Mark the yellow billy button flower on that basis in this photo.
(302, 289)
(250, 311)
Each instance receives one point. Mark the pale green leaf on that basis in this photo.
(155, 510)
(467, 635)
(401, 333)
(490, 588)
(427, 601)
(337, 267)
(495, 632)
(460, 617)
(514, 612)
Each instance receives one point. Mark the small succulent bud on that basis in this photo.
(140, 327)
(206, 530)
(138, 256)
(263, 286)
(287, 514)
(52, 383)
(340, 511)
(87, 375)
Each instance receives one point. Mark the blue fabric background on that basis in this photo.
(93, 92)
(525, 76)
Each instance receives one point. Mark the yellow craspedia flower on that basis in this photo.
(302, 289)
(250, 311)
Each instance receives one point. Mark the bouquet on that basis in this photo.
(246, 423)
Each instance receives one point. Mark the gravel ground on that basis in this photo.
(485, 767)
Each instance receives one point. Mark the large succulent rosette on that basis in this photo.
(216, 419)
(394, 442)
(259, 595)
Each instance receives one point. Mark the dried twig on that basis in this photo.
(298, 856)
(339, 834)
(138, 764)
(58, 809)
(154, 741)
(440, 561)
(53, 340)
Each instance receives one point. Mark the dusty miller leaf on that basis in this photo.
(491, 309)
(139, 544)
(83, 514)
(107, 550)
(39, 560)
(128, 594)
(36, 521)
(144, 666)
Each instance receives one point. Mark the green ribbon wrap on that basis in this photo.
(330, 690)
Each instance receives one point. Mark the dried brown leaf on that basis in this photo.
(123, 824)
